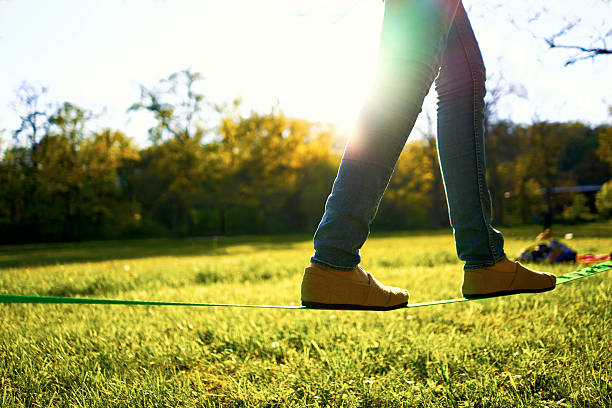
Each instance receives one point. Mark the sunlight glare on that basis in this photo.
(312, 67)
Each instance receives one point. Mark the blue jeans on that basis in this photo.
(422, 41)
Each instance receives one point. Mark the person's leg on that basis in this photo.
(413, 38)
(461, 149)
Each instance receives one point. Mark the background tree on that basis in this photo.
(604, 145)
(168, 183)
(268, 160)
(603, 198)
(108, 213)
(175, 161)
(176, 105)
(584, 38)
(500, 143)
(543, 156)
(263, 173)
(603, 201)
(34, 111)
(438, 212)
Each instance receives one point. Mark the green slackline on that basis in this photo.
(5, 298)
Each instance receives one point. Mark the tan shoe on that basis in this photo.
(355, 290)
(505, 278)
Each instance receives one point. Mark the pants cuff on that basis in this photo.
(326, 265)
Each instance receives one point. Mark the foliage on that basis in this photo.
(530, 160)
(214, 170)
(176, 105)
(66, 188)
(578, 210)
(604, 149)
(603, 200)
(414, 190)
(34, 113)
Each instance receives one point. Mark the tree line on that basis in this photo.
(259, 172)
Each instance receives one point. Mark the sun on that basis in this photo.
(314, 67)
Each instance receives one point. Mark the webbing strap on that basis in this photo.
(8, 298)
(583, 273)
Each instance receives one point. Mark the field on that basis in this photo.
(551, 349)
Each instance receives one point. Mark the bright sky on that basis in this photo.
(314, 58)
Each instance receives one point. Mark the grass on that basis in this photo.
(551, 349)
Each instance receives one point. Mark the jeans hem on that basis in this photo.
(327, 265)
(481, 265)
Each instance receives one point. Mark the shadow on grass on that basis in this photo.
(100, 286)
(19, 256)
(255, 276)
(30, 255)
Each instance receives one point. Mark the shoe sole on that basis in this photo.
(316, 305)
(506, 293)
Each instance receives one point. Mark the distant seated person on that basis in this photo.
(553, 251)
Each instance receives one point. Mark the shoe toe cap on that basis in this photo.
(397, 296)
(552, 279)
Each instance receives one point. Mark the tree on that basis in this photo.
(69, 121)
(604, 148)
(266, 161)
(176, 105)
(108, 213)
(543, 155)
(582, 29)
(500, 143)
(438, 213)
(58, 175)
(176, 163)
(580, 161)
(603, 200)
(65, 185)
(20, 162)
(502, 148)
(584, 35)
(578, 211)
(33, 113)
(169, 183)
(407, 202)
(582, 52)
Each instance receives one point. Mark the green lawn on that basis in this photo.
(551, 349)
